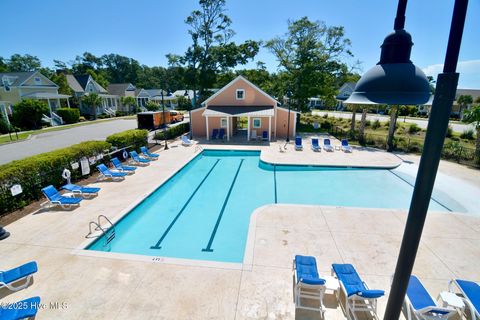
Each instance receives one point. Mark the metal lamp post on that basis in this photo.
(164, 119)
(289, 96)
(396, 81)
(186, 95)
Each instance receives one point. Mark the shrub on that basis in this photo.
(28, 114)
(34, 173)
(120, 113)
(152, 106)
(467, 134)
(4, 126)
(325, 116)
(413, 128)
(376, 124)
(69, 115)
(135, 138)
(174, 132)
(82, 118)
(368, 123)
(449, 132)
(453, 150)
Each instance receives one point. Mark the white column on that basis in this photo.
(50, 109)
(58, 103)
(269, 128)
(248, 128)
(68, 102)
(228, 129)
(208, 134)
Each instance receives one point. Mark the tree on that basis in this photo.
(473, 116)
(392, 126)
(464, 101)
(311, 53)
(211, 49)
(28, 113)
(92, 100)
(19, 63)
(3, 65)
(130, 102)
(363, 123)
(152, 106)
(61, 81)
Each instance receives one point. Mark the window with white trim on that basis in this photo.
(240, 94)
(257, 123)
(223, 122)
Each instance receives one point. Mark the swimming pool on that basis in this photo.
(203, 211)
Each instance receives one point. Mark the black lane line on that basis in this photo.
(431, 197)
(275, 181)
(157, 245)
(212, 236)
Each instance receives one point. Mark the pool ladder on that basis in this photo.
(108, 233)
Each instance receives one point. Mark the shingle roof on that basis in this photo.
(475, 93)
(20, 77)
(155, 92)
(119, 88)
(73, 83)
(78, 83)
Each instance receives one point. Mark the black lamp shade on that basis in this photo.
(392, 84)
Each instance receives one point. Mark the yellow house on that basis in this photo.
(17, 86)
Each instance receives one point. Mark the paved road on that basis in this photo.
(457, 127)
(49, 141)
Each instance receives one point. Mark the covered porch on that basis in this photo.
(53, 99)
(259, 119)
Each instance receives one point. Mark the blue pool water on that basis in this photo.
(203, 211)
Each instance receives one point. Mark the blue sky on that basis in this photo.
(146, 30)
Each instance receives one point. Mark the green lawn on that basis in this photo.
(25, 134)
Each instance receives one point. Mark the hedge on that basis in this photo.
(135, 138)
(173, 132)
(69, 115)
(34, 173)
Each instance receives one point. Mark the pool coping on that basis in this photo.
(246, 264)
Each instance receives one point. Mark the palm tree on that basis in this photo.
(363, 123)
(473, 116)
(130, 102)
(92, 100)
(464, 101)
(391, 127)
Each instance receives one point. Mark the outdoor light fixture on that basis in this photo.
(395, 80)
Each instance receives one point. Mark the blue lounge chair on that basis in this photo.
(298, 144)
(120, 167)
(315, 146)
(137, 160)
(358, 297)
(221, 133)
(107, 174)
(327, 146)
(214, 134)
(470, 293)
(265, 136)
(345, 146)
(308, 284)
(83, 191)
(24, 309)
(56, 199)
(148, 154)
(419, 304)
(186, 142)
(24, 272)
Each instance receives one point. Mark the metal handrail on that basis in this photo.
(108, 220)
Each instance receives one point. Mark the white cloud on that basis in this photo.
(469, 73)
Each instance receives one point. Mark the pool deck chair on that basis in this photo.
(358, 297)
(265, 135)
(308, 285)
(345, 146)
(148, 154)
(85, 192)
(120, 167)
(253, 135)
(107, 174)
(25, 309)
(298, 144)
(315, 145)
(137, 160)
(221, 134)
(186, 142)
(419, 304)
(327, 146)
(214, 134)
(56, 199)
(22, 273)
(470, 293)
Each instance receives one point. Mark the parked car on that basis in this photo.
(175, 116)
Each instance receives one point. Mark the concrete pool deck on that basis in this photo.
(104, 288)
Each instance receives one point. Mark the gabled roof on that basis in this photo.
(156, 92)
(142, 93)
(19, 78)
(78, 83)
(240, 77)
(475, 93)
(120, 88)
